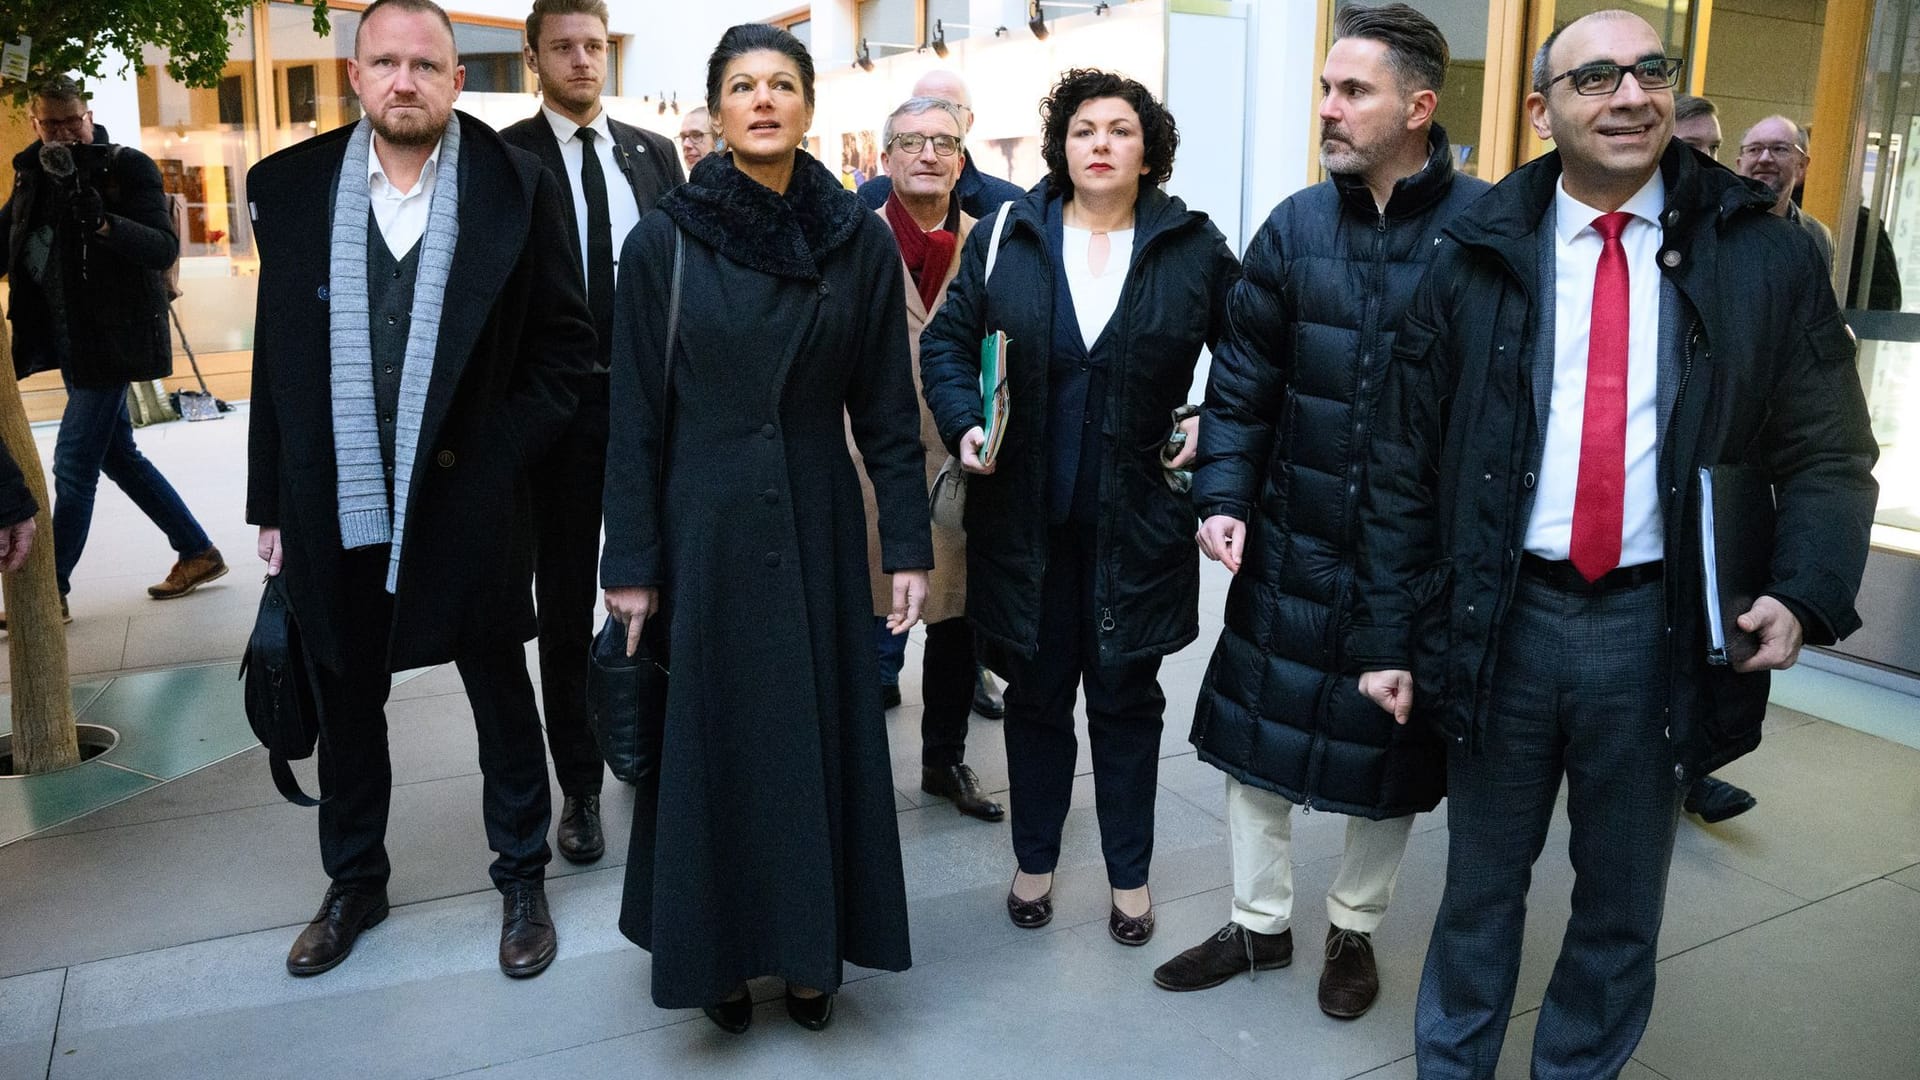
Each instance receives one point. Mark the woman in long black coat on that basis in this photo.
(1081, 566)
(771, 848)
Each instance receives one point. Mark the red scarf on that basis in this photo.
(927, 254)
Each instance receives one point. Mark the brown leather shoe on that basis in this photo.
(344, 914)
(189, 574)
(1230, 951)
(958, 784)
(1350, 981)
(1030, 914)
(527, 940)
(1132, 930)
(580, 837)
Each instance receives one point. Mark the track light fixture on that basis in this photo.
(1037, 20)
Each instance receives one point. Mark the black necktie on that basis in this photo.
(599, 243)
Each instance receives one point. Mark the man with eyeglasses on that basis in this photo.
(1774, 152)
(1608, 320)
(979, 194)
(696, 136)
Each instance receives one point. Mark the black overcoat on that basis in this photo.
(1766, 377)
(515, 343)
(1283, 448)
(772, 847)
(1174, 301)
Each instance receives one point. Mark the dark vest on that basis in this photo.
(1076, 393)
(390, 305)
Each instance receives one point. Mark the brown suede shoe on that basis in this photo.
(329, 938)
(527, 940)
(1350, 981)
(189, 574)
(1230, 951)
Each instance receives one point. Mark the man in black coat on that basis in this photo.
(583, 148)
(1603, 324)
(89, 241)
(1283, 447)
(980, 195)
(428, 339)
(17, 508)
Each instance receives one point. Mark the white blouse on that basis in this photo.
(1095, 298)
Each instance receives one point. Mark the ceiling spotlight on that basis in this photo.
(863, 59)
(663, 103)
(938, 42)
(1036, 18)
(676, 103)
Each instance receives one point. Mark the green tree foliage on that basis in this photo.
(79, 35)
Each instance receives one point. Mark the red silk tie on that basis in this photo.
(1599, 500)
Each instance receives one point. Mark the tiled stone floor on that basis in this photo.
(146, 940)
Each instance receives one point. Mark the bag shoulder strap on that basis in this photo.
(999, 230)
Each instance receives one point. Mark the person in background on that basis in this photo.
(1277, 489)
(1080, 570)
(923, 152)
(388, 441)
(1609, 319)
(87, 268)
(979, 194)
(1696, 122)
(696, 136)
(609, 174)
(734, 515)
(1774, 152)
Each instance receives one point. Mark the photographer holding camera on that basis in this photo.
(89, 241)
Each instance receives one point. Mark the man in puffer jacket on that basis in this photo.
(1283, 446)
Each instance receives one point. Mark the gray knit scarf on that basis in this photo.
(365, 517)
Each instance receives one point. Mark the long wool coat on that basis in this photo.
(947, 597)
(771, 846)
(516, 343)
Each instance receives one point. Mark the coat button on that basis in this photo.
(445, 458)
(1527, 481)
(825, 289)
(770, 496)
(391, 319)
(1673, 217)
(773, 558)
(1669, 258)
(769, 431)
(1680, 773)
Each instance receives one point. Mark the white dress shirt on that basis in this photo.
(1577, 258)
(401, 215)
(622, 211)
(1095, 298)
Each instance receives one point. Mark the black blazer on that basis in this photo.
(647, 160)
(16, 502)
(515, 346)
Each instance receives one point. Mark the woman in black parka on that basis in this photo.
(770, 847)
(1081, 567)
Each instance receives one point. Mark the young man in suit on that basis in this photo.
(610, 174)
(429, 338)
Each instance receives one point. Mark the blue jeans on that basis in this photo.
(96, 436)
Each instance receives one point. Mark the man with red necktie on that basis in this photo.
(1605, 322)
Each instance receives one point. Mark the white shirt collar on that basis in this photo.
(1571, 216)
(376, 171)
(565, 129)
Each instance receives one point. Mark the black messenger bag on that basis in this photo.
(281, 706)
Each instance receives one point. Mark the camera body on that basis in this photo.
(74, 167)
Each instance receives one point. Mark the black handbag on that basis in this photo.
(627, 695)
(282, 708)
(627, 700)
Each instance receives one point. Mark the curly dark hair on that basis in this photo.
(1081, 85)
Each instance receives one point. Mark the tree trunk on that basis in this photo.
(43, 731)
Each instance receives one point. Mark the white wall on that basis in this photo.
(1282, 90)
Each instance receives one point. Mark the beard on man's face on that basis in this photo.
(411, 128)
(1340, 154)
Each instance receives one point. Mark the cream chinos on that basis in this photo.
(1260, 830)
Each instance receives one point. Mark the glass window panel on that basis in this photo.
(888, 20)
(953, 13)
(311, 93)
(492, 58)
(804, 31)
(1671, 19)
(203, 140)
(1762, 60)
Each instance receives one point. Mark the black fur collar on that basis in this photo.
(786, 236)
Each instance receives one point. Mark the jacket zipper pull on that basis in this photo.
(1106, 620)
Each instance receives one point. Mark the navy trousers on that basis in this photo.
(1580, 692)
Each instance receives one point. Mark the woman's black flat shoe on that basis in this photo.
(734, 1015)
(812, 1013)
(1130, 929)
(1030, 914)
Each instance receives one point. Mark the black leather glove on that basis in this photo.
(89, 212)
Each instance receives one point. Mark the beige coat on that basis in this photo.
(947, 598)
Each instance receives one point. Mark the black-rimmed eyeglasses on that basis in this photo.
(913, 142)
(1602, 78)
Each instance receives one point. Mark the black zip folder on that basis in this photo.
(1736, 554)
